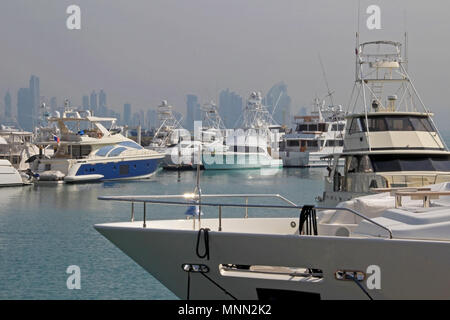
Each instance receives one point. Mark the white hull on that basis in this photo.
(235, 161)
(409, 269)
(305, 159)
(9, 176)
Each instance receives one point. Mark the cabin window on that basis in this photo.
(337, 127)
(311, 143)
(398, 123)
(335, 143)
(302, 127)
(355, 126)
(359, 164)
(79, 151)
(352, 164)
(117, 151)
(312, 127)
(123, 169)
(131, 144)
(388, 163)
(103, 151)
(323, 127)
(293, 143)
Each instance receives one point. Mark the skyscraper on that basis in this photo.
(278, 103)
(93, 102)
(35, 95)
(86, 102)
(102, 109)
(8, 107)
(230, 107)
(193, 112)
(53, 104)
(24, 109)
(126, 113)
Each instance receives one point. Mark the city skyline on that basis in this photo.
(181, 56)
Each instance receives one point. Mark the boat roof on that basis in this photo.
(88, 118)
(390, 113)
(374, 152)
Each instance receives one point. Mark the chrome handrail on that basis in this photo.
(156, 199)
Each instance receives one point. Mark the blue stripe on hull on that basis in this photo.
(120, 170)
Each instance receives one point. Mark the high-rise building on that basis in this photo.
(102, 99)
(278, 103)
(93, 102)
(126, 113)
(53, 104)
(193, 112)
(102, 108)
(24, 109)
(8, 106)
(151, 119)
(85, 102)
(230, 107)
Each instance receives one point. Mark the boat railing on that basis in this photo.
(194, 200)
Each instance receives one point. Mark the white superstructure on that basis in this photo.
(393, 141)
(315, 136)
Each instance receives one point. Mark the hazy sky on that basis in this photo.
(143, 51)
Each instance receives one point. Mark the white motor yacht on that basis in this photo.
(85, 150)
(315, 137)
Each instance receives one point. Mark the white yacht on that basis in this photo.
(393, 141)
(255, 146)
(209, 136)
(241, 151)
(316, 136)
(170, 132)
(9, 176)
(17, 146)
(85, 150)
(324, 253)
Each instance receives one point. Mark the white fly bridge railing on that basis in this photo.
(194, 200)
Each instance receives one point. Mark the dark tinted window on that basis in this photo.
(312, 143)
(302, 127)
(123, 169)
(336, 127)
(323, 127)
(293, 143)
(354, 126)
(382, 163)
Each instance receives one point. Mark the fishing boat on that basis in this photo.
(208, 136)
(254, 146)
(85, 150)
(315, 136)
(170, 132)
(390, 137)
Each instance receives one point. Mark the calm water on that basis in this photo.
(46, 228)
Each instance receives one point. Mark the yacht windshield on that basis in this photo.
(397, 123)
